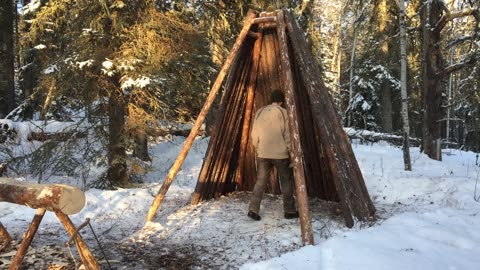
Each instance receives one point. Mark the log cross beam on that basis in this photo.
(264, 20)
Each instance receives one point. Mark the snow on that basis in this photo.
(108, 68)
(427, 218)
(86, 63)
(40, 47)
(50, 69)
(140, 83)
(33, 6)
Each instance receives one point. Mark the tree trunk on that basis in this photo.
(381, 18)
(386, 105)
(140, 148)
(352, 73)
(7, 56)
(403, 81)
(47, 102)
(117, 173)
(432, 84)
(66, 199)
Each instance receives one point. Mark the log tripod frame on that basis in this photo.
(86, 255)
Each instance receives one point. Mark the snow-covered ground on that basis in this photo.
(427, 219)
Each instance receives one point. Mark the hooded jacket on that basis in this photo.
(270, 132)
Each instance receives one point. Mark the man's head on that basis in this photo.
(276, 96)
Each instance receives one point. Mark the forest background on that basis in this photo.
(124, 72)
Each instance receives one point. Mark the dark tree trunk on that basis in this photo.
(140, 149)
(117, 173)
(386, 102)
(432, 98)
(7, 56)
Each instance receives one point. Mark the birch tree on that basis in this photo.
(403, 82)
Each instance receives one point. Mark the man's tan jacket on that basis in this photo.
(270, 133)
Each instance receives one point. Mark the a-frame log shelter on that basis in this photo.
(271, 52)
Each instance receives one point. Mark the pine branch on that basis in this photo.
(463, 39)
(449, 16)
(470, 60)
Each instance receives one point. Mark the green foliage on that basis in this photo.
(150, 60)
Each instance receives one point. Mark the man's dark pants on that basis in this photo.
(264, 170)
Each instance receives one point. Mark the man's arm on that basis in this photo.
(254, 134)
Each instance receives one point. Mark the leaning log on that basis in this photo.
(206, 107)
(5, 237)
(54, 197)
(297, 152)
(27, 239)
(347, 176)
(85, 254)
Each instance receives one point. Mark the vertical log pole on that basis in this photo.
(27, 240)
(249, 109)
(4, 235)
(299, 174)
(85, 254)
(203, 113)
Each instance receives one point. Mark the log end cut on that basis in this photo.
(72, 201)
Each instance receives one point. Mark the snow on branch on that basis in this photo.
(462, 39)
(469, 60)
(448, 16)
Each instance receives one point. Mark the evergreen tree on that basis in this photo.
(7, 70)
(131, 62)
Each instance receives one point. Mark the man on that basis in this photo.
(271, 139)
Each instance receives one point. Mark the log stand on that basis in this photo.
(63, 200)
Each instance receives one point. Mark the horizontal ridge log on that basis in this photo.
(54, 197)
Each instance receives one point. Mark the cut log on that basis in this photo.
(297, 152)
(346, 173)
(4, 235)
(85, 254)
(55, 197)
(264, 20)
(27, 240)
(206, 107)
(57, 136)
(248, 110)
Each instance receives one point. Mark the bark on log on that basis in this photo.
(58, 136)
(346, 173)
(4, 235)
(216, 147)
(85, 254)
(249, 110)
(288, 87)
(27, 240)
(264, 20)
(55, 197)
(211, 97)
